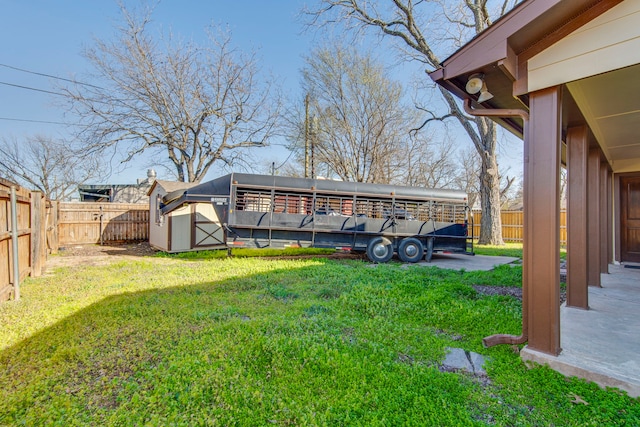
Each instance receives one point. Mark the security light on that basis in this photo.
(477, 84)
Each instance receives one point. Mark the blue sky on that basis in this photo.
(47, 36)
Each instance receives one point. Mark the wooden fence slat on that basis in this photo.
(79, 222)
(38, 234)
(512, 228)
(29, 208)
(5, 244)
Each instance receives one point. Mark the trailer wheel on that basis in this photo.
(410, 250)
(379, 249)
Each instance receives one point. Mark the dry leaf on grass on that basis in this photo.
(577, 399)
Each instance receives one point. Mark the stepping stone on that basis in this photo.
(459, 359)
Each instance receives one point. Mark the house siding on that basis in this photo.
(609, 42)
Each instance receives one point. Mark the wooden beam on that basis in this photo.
(577, 212)
(610, 220)
(542, 220)
(617, 217)
(509, 65)
(604, 217)
(594, 224)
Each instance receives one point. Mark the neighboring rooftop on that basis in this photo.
(118, 193)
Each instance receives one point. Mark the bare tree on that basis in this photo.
(48, 165)
(198, 105)
(359, 125)
(508, 193)
(467, 177)
(563, 188)
(419, 28)
(429, 164)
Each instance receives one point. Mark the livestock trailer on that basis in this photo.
(257, 211)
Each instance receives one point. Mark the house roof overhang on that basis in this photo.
(502, 51)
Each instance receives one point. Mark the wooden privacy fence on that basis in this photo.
(28, 235)
(43, 226)
(83, 222)
(512, 226)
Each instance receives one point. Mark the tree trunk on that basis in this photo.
(491, 222)
(484, 139)
(402, 24)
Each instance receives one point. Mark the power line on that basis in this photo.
(33, 88)
(48, 75)
(273, 164)
(32, 121)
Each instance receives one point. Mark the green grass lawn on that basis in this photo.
(509, 249)
(252, 342)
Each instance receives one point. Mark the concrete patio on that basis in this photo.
(602, 344)
(467, 262)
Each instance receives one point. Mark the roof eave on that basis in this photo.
(501, 52)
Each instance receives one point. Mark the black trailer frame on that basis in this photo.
(271, 211)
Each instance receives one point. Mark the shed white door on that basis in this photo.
(206, 228)
(179, 225)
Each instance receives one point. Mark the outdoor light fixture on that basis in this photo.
(477, 84)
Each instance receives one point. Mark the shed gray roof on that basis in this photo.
(170, 186)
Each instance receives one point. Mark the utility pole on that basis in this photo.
(314, 133)
(306, 136)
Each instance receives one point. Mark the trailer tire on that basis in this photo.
(410, 250)
(379, 249)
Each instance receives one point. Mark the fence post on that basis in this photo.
(52, 227)
(36, 234)
(512, 225)
(101, 227)
(14, 242)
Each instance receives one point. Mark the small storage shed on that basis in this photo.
(189, 227)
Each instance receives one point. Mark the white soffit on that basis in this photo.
(610, 103)
(609, 42)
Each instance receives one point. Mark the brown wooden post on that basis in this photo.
(577, 233)
(36, 237)
(604, 225)
(542, 220)
(616, 209)
(593, 205)
(610, 222)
